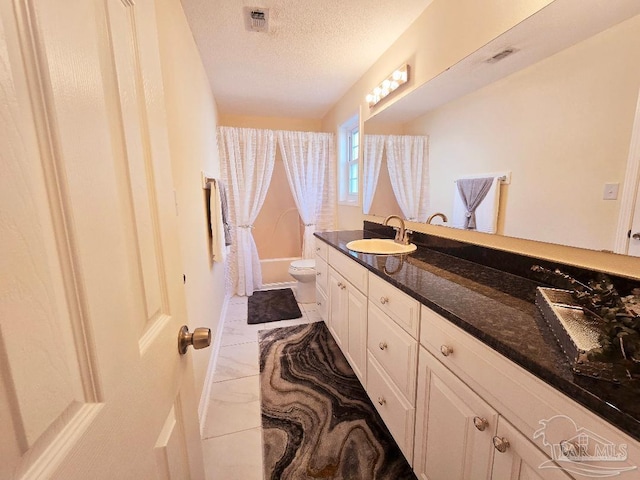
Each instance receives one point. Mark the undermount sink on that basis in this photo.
(379, 246)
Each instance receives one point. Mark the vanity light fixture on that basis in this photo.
(400, 76)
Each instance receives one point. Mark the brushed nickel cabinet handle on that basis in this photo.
(384, 300)
(500, 444)
(446, 350)
(382, 345)
(569, 449)
(381, 400)
(480, 423)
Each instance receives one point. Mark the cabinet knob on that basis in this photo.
(480, 423)
(500, 444)
(384, 300)
(382, 345)
(340, 285)
(381, 400)
(570, 449)
(636, 236)
(318, 274)
(446, 350)
(319, 303)
(317, 249)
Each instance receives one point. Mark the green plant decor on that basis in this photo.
(618, 316)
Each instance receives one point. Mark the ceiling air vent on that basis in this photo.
(256, 19)
(499, 56)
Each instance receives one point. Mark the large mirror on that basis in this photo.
(555, 117)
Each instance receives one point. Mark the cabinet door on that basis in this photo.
(449, 445)
(521, 459)
(338, 321)
(357, 332)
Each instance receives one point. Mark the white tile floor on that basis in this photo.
(232, 436)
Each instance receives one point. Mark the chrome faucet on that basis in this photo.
(402, 234)
(441, 215)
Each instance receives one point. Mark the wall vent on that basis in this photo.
(256, 19)
(499, 56)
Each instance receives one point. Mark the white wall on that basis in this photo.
(192, 119)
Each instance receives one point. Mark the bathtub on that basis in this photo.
(275, 271)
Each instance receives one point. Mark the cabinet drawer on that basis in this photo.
(403, 309)
(322, 274)
(397, 413)
(349, 269)
(322, 249)
(395, 350)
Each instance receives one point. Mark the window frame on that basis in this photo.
(347, 161)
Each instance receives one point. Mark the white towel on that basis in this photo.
(218, 248)
(486, 213)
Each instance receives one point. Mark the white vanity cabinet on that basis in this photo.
(322, 278)
(347, 317)
(392, 344)
(454, 426)
(456, 408)
(460, 379)
(521, 459)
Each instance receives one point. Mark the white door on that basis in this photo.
(91, 382)
(628, 231)
(634, 241)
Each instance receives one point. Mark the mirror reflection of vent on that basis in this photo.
(499, 56)
(256, 19)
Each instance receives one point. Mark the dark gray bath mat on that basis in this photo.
(317, 420)
(272, 305)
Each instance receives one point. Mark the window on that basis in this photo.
(349, 174)
(352, 161)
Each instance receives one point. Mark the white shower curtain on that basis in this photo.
(408, 163)
(307, 157)
(373, 148)
(247, 157)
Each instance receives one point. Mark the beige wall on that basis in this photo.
(562, 127)
(444, 34)
(192, 120)
(413, 48)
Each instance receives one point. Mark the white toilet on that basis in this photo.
(304, 271)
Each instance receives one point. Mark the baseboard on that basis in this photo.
(275, 286)
(211, 367)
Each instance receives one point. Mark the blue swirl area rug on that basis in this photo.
(318, 422)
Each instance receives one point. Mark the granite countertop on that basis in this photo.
(498, 309)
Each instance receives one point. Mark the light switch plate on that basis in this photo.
(610, 191)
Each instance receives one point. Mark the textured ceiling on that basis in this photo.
(312, 54)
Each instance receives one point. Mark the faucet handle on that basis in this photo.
(405, 240)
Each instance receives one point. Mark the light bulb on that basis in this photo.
(386, 84)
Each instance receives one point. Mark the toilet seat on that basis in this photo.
(306, 264)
